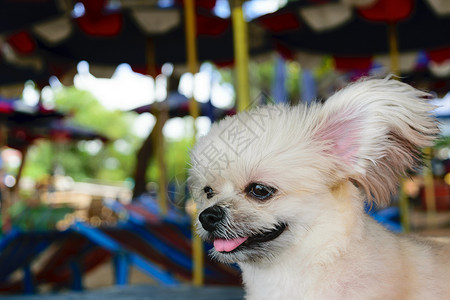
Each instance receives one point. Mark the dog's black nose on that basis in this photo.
(211, 217)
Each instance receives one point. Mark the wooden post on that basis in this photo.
(5, 192)
(192, 61)
(158, 140)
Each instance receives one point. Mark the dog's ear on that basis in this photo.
(374, 130)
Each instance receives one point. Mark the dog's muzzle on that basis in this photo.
(214, 217)
(211, 217)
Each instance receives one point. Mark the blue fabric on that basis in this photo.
(309, 88)
(279, 92)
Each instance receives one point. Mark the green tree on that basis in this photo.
(87, 159)
(262, 76)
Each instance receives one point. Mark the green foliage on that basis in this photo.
(114, 161)
(87, 159)
(443, 141)
(262, 75)
(294, 72)
(87, 111)
(176, 158)
(40, 217)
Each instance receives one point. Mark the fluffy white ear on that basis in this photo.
(375, 129)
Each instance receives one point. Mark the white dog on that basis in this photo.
(281, 191)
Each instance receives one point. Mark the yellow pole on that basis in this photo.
(430, 198)
(191, 49)
(393, 49)
(192, 61)
(240, 39)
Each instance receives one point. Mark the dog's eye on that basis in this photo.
(209, 192)
(260, 191)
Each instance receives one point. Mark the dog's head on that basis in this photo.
(258, 177)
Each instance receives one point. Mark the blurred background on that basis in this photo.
(101, 100)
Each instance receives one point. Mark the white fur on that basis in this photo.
(323, 160)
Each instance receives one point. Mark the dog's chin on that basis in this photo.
(255, 248)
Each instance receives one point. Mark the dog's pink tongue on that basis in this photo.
(223, 245)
